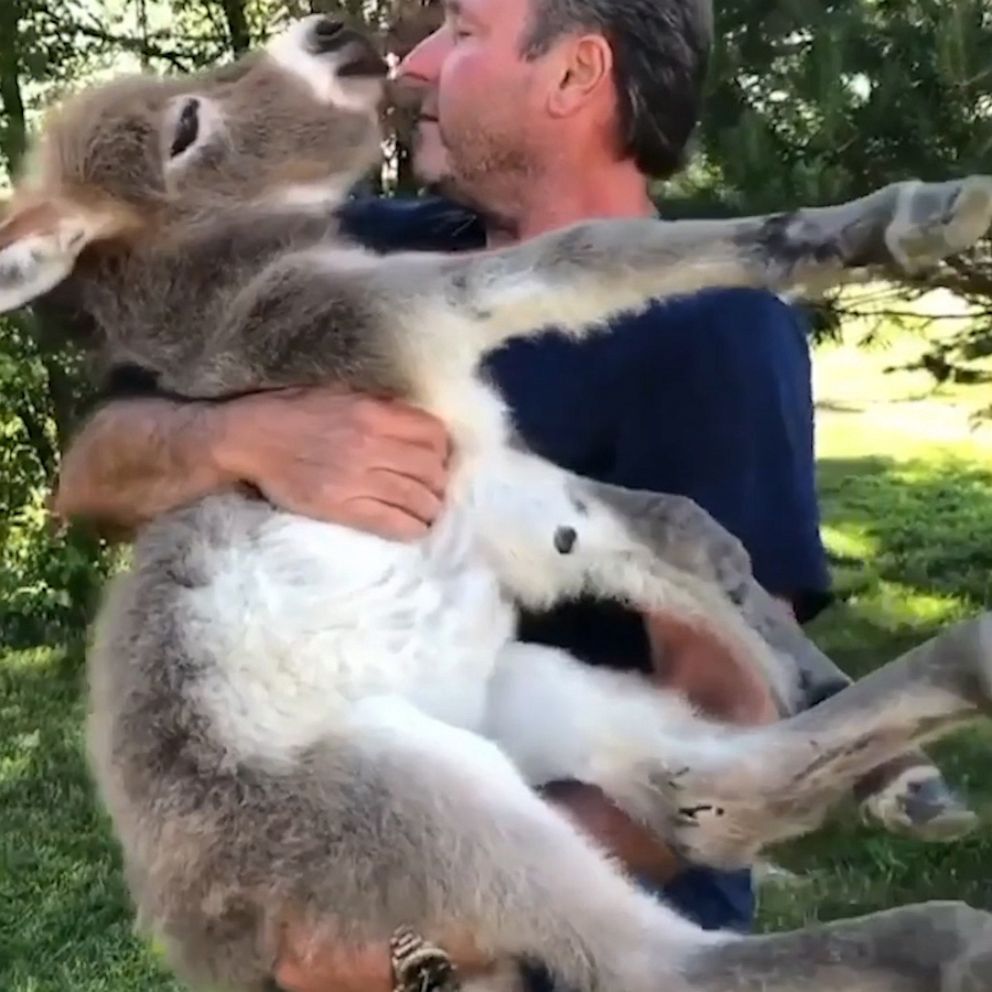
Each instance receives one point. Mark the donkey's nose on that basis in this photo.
(354, 54)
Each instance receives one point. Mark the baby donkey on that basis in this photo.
(290, 719)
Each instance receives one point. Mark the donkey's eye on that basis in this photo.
(187, 128)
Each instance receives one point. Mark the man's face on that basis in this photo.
(482, 110)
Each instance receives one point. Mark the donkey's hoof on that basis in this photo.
(935, 220)
(927, 809)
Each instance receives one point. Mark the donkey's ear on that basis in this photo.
(40, 240)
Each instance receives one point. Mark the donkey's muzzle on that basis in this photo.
(357, 56)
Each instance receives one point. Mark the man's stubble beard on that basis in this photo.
(484, 174)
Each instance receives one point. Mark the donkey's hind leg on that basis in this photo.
(400, 821)
(931, 947)
(907, 795)
(785, 777)
(549, 544)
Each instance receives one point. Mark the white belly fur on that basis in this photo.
(311, 617)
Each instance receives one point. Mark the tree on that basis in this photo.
(808, 101)
(812, 101)
(49, 579)
(43, 577)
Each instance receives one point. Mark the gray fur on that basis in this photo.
(941, 947)
(382, 822)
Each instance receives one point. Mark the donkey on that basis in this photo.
(291, 719)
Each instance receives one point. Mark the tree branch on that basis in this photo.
(237, 25)
(142, 47)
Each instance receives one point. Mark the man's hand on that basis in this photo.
(375, 465)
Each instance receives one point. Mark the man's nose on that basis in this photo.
(423, 64)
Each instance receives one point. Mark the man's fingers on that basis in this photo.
(420, 464)
(387, 418)
(404, 493)
(383, 519)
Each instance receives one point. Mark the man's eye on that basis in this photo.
(187, 128)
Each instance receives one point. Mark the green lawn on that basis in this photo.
(905, 477)
(907, 499)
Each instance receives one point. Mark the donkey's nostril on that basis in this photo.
(328, 35)
(328, 27)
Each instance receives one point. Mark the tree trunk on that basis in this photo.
(13, 135)
(237, 25)
(45, 332)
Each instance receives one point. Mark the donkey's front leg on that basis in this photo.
(576, 278)
(933, 947)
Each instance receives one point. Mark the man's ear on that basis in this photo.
(41, 238)
(585, 68)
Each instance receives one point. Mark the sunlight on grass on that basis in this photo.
(864, 410)
(17, 763)
(896, 607)
(849, 541)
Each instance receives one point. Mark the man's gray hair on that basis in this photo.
(661, 52)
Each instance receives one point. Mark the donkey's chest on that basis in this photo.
(309, 618)
(305, 619)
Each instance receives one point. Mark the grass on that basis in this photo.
(64, 919)
(905, 480)
(907, 500)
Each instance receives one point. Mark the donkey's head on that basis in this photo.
(297, 122)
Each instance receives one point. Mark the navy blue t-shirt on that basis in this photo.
(706, 396)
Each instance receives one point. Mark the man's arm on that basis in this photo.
(371, 464)
(136, 459)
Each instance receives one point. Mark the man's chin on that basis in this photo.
(431, 173)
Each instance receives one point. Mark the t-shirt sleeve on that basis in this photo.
(719, 408)
(385, 224)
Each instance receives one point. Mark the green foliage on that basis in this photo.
(48, 580)
(812, 102)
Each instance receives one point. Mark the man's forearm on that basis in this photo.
(136, 459)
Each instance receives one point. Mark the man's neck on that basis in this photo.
(615, 189)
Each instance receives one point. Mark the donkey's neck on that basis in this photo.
(156, 301)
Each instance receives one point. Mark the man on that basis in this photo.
(535, 114)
